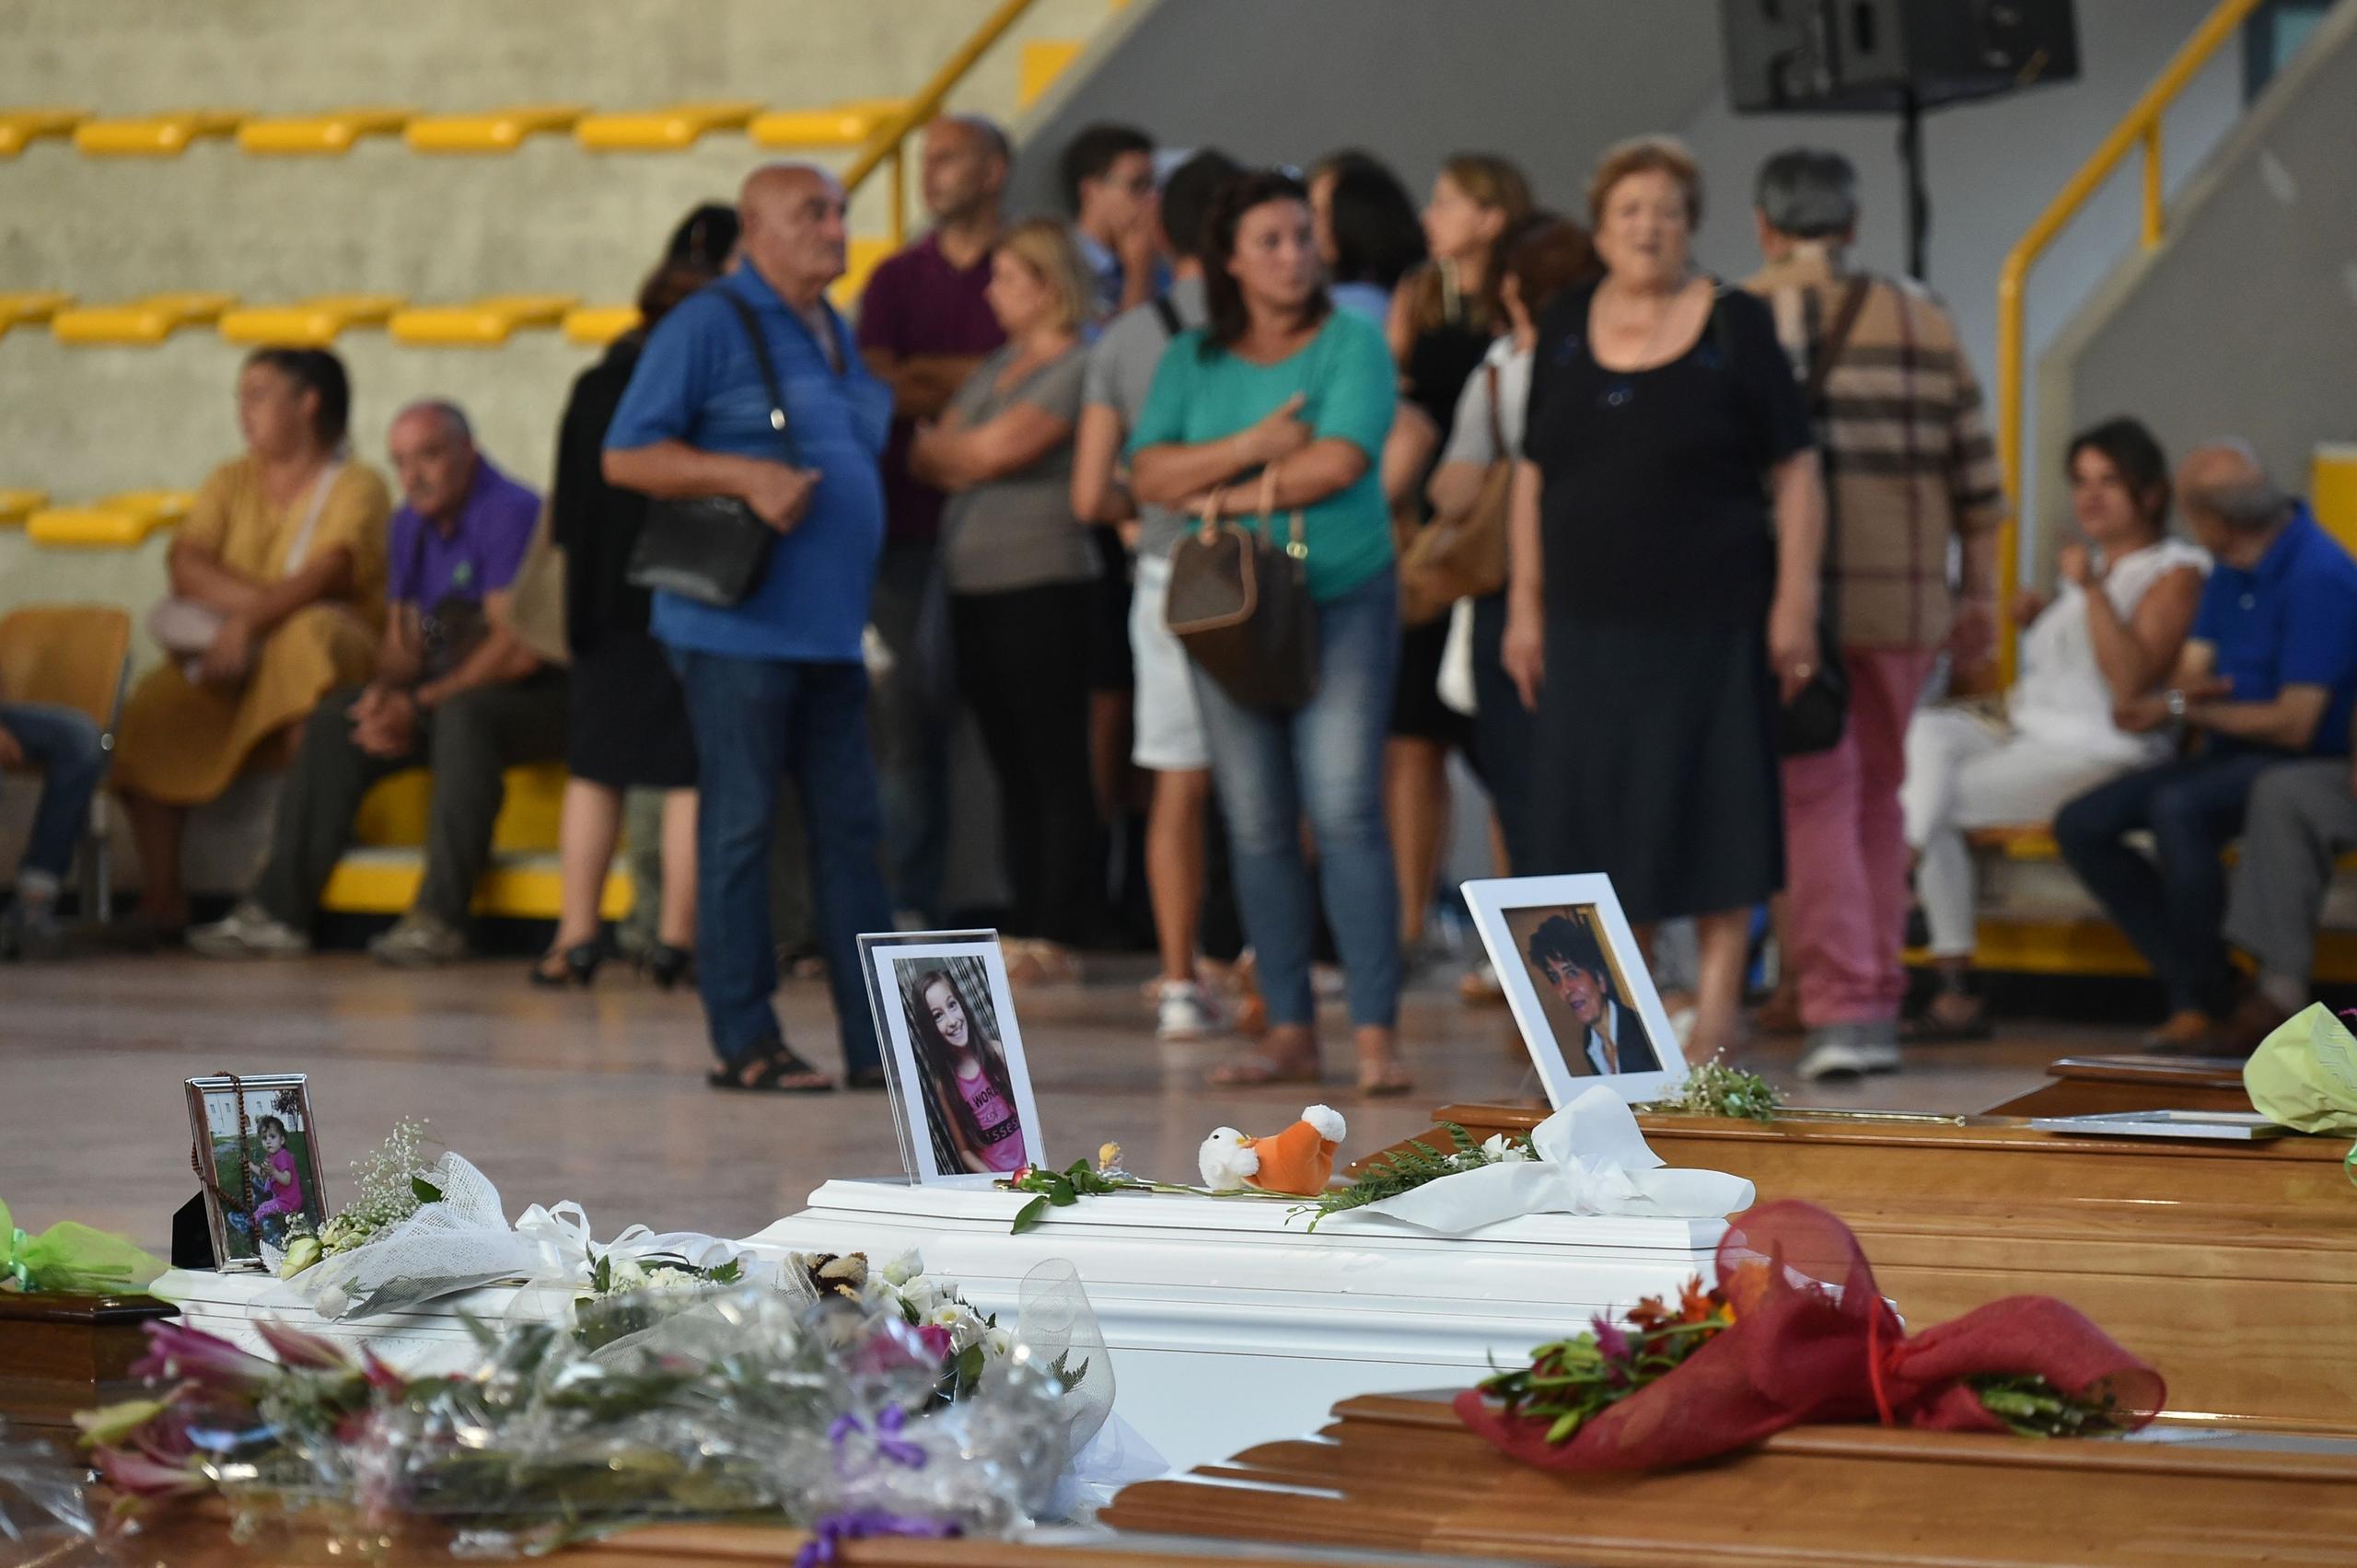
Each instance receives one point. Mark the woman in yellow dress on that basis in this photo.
(277, 585)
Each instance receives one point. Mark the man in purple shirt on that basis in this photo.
(925, 324)
(455, 692)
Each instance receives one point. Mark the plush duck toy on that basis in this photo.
(1297, 1162)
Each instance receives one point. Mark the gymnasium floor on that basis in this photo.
(600, 1095)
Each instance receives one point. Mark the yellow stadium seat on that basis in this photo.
(309, 323)
(1043, 61)
(382, 875)
(485, 323)
(121, 521)
(2332, 489)
(847, 124)
(597, 325)
(27, 308)
(320, 135)
(15, 506)
(20, 128)
(155, 136)
(499, 130)
(147, 320)
(663, 130)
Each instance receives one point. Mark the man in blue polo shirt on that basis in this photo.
(774, 685)
(2268, 676)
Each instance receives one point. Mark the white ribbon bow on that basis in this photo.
(1592, 1159)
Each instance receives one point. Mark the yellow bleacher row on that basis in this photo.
(318, 322)
(667, 128)
(333, 133)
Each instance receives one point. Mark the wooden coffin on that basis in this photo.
(202, 1539)
(62, 1353)
(2231, 1267)
(2096, 1086)
(1398, 1473)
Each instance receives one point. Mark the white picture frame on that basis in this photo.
(939, 1144)
(1507, 912)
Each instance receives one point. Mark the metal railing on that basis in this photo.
(889, 144)
(2140, 127)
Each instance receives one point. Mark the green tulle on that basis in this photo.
(72, 1260)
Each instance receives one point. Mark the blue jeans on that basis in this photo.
(1325, 761)
(64, 744)
(2172, 906)
(757, 721)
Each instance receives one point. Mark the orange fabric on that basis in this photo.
(1298, 1161)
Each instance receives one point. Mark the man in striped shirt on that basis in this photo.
(1913, 506)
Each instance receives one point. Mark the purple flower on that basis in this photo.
(860, 1524)
(136, 1475)
(212, 1362)
(297, 1349)
(1610, 1342)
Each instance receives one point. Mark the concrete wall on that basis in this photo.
(2245, 321)
(548, 218)
(1553, 82)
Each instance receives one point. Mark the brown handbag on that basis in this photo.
(1239, 605)
(1461, 554)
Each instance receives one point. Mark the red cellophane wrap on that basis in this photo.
(1814, 1342)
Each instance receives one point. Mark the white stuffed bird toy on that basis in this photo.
(1299, 1161)
(1227, 1159)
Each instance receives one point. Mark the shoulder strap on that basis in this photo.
(1836, 338)
(1168, 313)
(769, 370)
(1498, 453)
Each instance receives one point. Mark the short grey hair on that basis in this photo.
(1809, 192)
(2251, 505)
(453, 417)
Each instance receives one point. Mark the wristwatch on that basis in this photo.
(2175, 701)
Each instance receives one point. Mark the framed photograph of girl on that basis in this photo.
(257, 1151)
(1576, 980)
(961, 1091)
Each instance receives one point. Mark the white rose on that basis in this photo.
(623, 1276)
(1501, 1150)
(923, 1295)
(997, 1343)
(903, 1269)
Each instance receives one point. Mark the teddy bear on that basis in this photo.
(1297, 1162)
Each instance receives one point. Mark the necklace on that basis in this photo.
(1620, 392)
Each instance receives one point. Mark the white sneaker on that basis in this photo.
(1849, 1052)
(249, 932)
(1182, 1011)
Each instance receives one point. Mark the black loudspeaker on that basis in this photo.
(1844, 56)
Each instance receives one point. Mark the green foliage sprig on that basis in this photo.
(1403, 1170)
(1714, 1088)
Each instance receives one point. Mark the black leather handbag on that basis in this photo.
(711, 547)
(1239, 605)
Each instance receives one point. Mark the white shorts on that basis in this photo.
(1167, 728)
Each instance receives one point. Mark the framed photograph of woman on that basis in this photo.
(961, 1091)
(257, 1150)
(1577, 982)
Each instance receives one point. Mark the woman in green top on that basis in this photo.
(1279, 381)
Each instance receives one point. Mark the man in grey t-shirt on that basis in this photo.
(1168, 731)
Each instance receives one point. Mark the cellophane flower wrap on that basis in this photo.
(1813, 1341)
(766, 1400)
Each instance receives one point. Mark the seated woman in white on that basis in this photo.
(2111, 633)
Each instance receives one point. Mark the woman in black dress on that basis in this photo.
(627, 727)
(1668, 518)
(1443, 318)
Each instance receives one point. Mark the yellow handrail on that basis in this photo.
(2140, 126)
(890, 139)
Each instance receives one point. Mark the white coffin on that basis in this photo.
(1232, 1324)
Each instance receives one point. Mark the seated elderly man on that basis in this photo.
(454, 691)
(2268, 676)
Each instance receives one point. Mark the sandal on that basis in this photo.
(772, 1068)
(867, 1078)
(1930, 1028)
(1384, 1081)
(1254, 1069)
